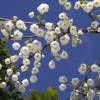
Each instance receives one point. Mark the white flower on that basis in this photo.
(37, 46)
(62, 2)
(18, 35)
(40, 32)
(33, 79)
(62, 87)
(94, 68)
(20, 24)
(0, 66)
(22, 89)
(62, 79)
(9, 25)
(73, 30)
(14, 58)
(35, 70)
(88, 7)
(67, 5)
(85, 85)
(18, 73)
(7, 61)
(31, 14)
(34, 28)
(77, 5)
(17, 84)
(49, 36)
(63, 16)
(14, 77)
(5, 33)
(63, 24)
(49, 26)
(57, 30)
(64, 55)
(24, 68)
(37, 64)
(64, 39)
(16, 46)
(96, 3)
(98, 29)
(37, 57)
(52, 64)
(43, 8)
(75, 81)
(26, 61)
(24, 50)
(3, 84)
(30, 46)
(55, 48)
(25, 82)
(94, 24)
(90, 82)
(83, 68)
(9, 72)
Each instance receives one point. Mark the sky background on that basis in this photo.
(87, 52)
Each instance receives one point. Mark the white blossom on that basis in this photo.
(9, 25)
(35, 70)
(25, 82)
(3, 84)
(31, 14)
(52, 64)
(43, 8)
(20, 24)
(24, 68)
(7, 61)
(16, 45)
(62, 87)
(14, 77)
(9, 72)
(33, 79)
(62, 79)
(49, 26)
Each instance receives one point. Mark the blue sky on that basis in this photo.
(87, 52)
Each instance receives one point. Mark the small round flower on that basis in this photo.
(83, 68)
(49, 26)
(33, 79)
(63, 16)
(3, 84)
(7, 61)
(34, 28)
(26, 62)
(96, 3)
(37, 64)
(18, 73)
(30, 46)
(85, 85)
(65, 40)
(73, 30)
(67, 5)
(14, 58)
(17, 84)
(75, 81)
(31, 14)
(57, 30)
(90, 82)
(37, 46)
(24, 50)
(77, 5)
(9, 25)
(98, 29)
(14, 77)
(64, 55)
(52, 64)
(20, 24)
(0, 66)
(43, 8)
(62, 2)
(37, 57)
(24, 68)
(25, 82)
(16, 45)
(94, 68)
(22, 89)
(62, 87)
(18, 35)
(62, 79)
(9, 72)
(35, 70)
(94, 24)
